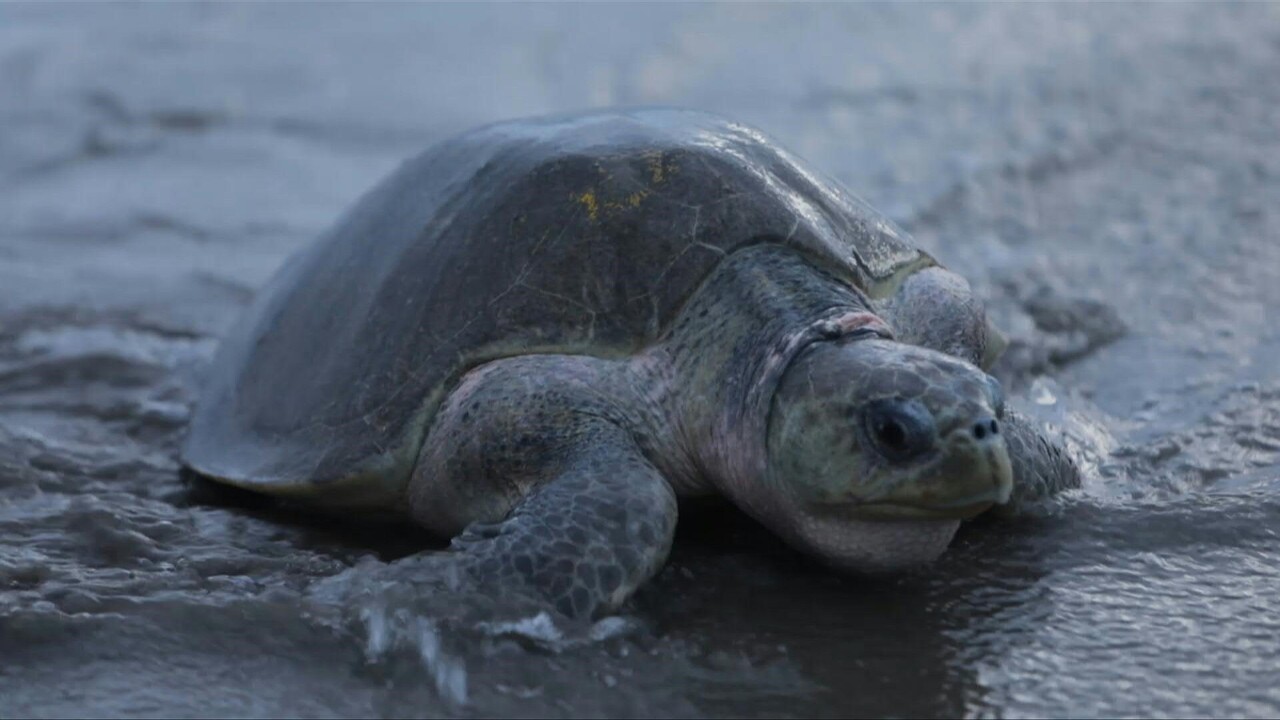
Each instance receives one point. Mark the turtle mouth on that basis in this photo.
(960, 509)
(965, 483)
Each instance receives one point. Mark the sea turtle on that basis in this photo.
(535, 336)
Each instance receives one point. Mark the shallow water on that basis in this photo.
(1107, 175)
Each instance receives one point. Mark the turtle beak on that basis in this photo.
(972, 475)
(984, 475)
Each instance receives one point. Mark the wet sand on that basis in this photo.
(1108, 177)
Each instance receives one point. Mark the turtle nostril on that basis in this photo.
(985, 427)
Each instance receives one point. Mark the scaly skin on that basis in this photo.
(537, 461)
(560, 472)
(935, 308)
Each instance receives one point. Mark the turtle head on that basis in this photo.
(877, 449)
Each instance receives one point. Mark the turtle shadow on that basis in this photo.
(389, 538)
(707, 527)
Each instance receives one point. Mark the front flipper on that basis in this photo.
(533, 465)
(583, 540)
(1041, 467)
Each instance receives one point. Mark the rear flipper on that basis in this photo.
(1041, 467)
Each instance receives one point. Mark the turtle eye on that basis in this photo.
(868, 331)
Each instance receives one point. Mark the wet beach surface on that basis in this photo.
(1107, 175)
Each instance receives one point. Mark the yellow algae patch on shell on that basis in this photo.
(588, 200)
(660, 166)
(593, 204)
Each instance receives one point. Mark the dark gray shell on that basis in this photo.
(578, 234)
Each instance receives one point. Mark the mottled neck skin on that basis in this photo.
(714, 375)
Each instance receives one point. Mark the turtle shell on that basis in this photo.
(574, 234)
